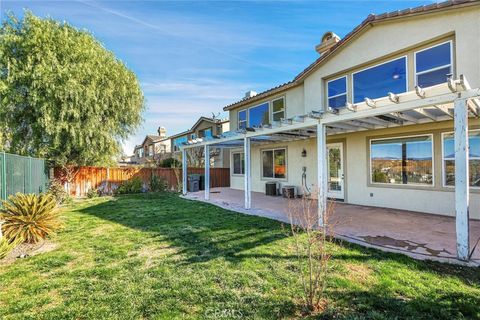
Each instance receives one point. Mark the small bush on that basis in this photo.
(134, 185)
(6, 246)
(158, 184)
(30, 217)
(57, 190)
(170, 163)
(92, 193)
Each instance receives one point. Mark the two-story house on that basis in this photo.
(385, 117)
(205, 128)
(153, 148)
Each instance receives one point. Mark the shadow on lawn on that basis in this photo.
(201, 232)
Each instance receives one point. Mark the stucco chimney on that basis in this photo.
(329, 39)
(250, 94)
(162, 132)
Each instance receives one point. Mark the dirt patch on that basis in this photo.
(27, 250)
(153, 253)
(358, 273)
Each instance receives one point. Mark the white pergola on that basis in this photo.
(454, 99)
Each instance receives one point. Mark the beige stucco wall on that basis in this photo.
(402, 36)
(381, 42)
(434, 199)
(294, 105)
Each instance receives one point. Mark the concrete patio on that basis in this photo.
(418, 235)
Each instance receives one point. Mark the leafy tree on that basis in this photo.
(63, 96)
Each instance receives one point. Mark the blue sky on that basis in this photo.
(193, 58)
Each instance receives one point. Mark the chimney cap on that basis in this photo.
(329, 39)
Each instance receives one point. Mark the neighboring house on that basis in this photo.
(205, 128)
(153, 148)
(383, 98)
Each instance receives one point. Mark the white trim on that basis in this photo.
(402, 185)
(415, 73)
(284, 110)
(331, 194)
(379, 64)
(340, 94)
(232, 163)
(444, 176)
(238, 118)
(273, 163)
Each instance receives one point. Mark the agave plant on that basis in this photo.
(6, 246)
(29, 216)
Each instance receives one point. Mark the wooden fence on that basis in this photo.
(81, 179)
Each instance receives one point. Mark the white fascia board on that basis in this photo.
(265, 131)
(402, 106)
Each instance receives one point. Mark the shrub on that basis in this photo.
(57, 190)
(92, 193)
(170, 163)
(134, 185)
(6, 246)
(29, 216)
(158, 184)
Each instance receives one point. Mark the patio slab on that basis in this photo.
(418, 235)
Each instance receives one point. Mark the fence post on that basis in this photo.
(30, 184)
(4, 176)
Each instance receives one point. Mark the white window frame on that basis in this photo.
(258, 105)
(436, 68)
(401, 185)
(232, 165)
(340, 94)
(376, 65)
(246, 118)
(273, 163)
(444, 175)
(281, 111)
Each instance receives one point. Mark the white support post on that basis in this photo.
(321, 173)
(247, 173)
(461, 179)
(207, 171)
(184, 171)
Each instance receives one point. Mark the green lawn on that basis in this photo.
(159, 256)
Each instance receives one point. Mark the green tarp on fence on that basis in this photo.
(22, 174)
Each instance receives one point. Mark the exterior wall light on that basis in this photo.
(304, 153)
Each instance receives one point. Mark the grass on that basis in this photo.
(158, 256)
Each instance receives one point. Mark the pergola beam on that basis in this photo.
(207, 171)
(426, 113)
(247, 174)
(462, 187)
(445, 110)
(184, 171)
(321, 173)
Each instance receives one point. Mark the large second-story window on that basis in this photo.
(278, 109)
(205, 133)
(177, 142)
(433, 65)
(259, 115)
(378, 81)
(242, 119)
(337, 93)
(449, 158)
(406, 160)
